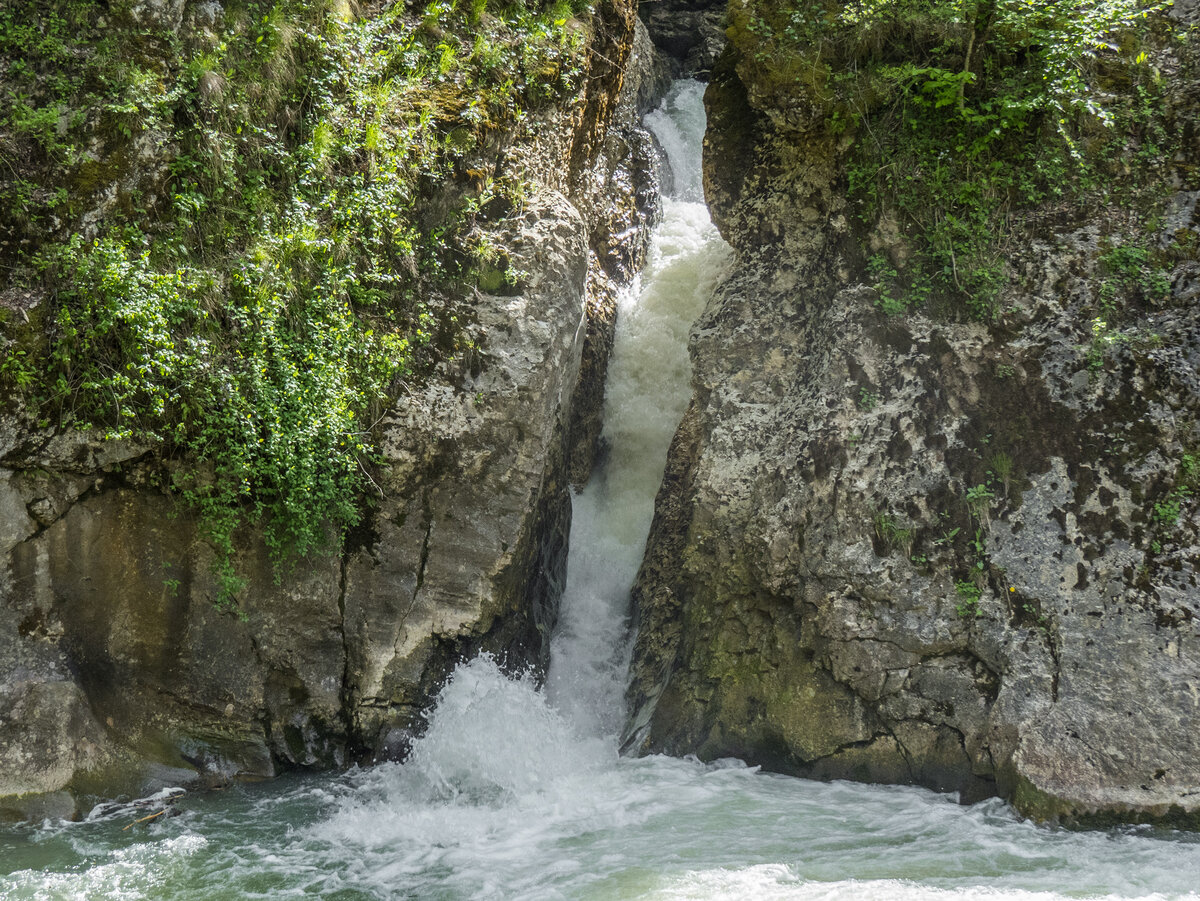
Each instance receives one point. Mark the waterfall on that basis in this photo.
(517, 791)
(648, 388)
(492, 738)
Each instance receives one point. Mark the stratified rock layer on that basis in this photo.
(904, 550)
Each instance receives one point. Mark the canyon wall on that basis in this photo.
(920, 545)
(122, 666)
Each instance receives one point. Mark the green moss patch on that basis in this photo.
(968, 122)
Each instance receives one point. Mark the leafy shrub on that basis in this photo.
(963, 115)
(320, 194)
(968, 604)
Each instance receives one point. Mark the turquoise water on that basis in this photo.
(572, 820)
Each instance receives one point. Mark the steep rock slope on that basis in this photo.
(902, 543)
(125, 663)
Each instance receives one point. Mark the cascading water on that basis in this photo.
(518, 792)
(648, 388)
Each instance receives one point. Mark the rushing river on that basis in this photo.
(517, 792)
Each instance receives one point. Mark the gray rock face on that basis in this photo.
(689, 33)
(647, 75)
(47, 732)
(470, 543)
(822, 594)
(164, 14)
(915, 551)
(118, 675)
(111, 636)
(115, 599)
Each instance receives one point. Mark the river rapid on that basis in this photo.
(518, 791)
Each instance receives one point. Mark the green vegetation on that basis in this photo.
(1103, 337)
(1032, 614)
(1001, 469)
(1131, 274)
(946, 539)
(280, 206)
(979, 503)
(968, 604)
(968, 118)
(892, 296)
(1165, 512)
(889, 530)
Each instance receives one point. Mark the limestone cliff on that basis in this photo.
(899, 543)
(119, 672)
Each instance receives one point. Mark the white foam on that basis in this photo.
(139, 871)
(774, 882)
(648, 388)
(679, 125)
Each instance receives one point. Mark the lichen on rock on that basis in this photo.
(926, 541)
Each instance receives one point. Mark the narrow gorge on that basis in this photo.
(385, 418)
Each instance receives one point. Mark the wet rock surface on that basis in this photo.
(473, 557)
(690, 34)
